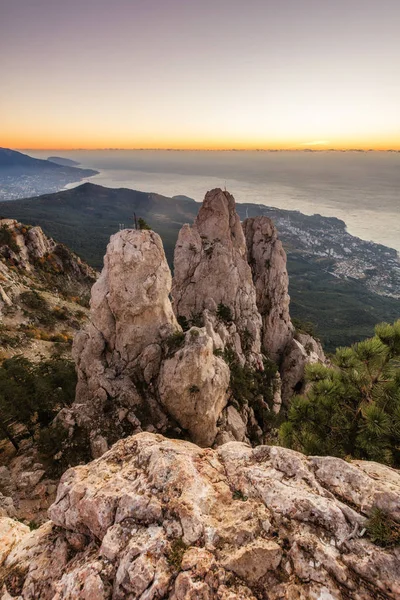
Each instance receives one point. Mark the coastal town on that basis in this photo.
(344, 255)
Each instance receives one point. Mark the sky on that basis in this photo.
(200, 74)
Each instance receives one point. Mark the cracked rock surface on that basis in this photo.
(158, 518)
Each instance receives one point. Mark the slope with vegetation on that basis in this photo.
(44, 291)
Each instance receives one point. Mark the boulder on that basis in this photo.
(193, 386)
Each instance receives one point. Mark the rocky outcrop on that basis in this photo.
(193, 386)
(195, 369)
(43, 286)
(26, 490)
(212, 275)
(267, 259)
(136, 369)
(302, 350)
(158, 518)
(29, 249)
(118, 355)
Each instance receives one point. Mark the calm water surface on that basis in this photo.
(362, 188)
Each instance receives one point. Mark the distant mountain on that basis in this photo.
(23, 176)
(65, 162)
(334, 277)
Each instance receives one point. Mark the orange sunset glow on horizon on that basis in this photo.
(177, 75)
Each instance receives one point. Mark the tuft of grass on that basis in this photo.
(238, 495)
(382, 529)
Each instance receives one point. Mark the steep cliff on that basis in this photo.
(267, 259)
(158, 518)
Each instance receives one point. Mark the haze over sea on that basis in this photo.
(361, 188)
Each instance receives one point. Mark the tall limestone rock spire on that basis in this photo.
(119, 353)
(212, 277)
(267, 259)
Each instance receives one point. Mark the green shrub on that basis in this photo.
(196, 320)
(33, 300)
(224, 313)
(252, 386)
(247, 341)
(175, 341)
(238, 495)
(31, 394)
(183, 322)
(175, 554)
(39, 306)
(7, 239)
(142, 224)
(304, 326)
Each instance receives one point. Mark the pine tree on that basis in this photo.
(352, 408)
(142, 224)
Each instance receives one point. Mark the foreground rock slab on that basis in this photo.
(157, 518)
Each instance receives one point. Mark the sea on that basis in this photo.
(361, 188)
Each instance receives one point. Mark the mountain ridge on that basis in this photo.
(22, 175)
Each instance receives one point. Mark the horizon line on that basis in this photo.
(233, 149)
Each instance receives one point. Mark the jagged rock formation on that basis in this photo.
(27, 248)
(158, 518)
(29, 261)
(217, 262)
(211, 270)
(267, 258)
(138, 371)
(26, 490)
(193, 386)
(302, 349)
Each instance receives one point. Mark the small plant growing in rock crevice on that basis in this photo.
(143, 225)
(247, 341)
(224, 313)
(175, 554)
(183, 322)
(175, 341)
(238, 495)
(196, 320)
(7, 239)
(382, 529)
(194, 389)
